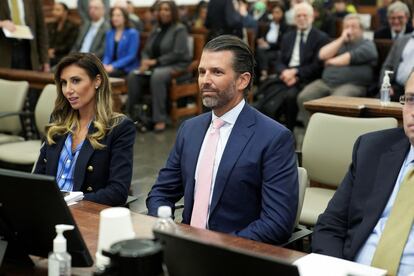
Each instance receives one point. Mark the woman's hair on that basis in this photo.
(173, 8)
(65, 119)
(125, 14)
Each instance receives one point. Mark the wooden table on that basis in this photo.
(355, 107)
(86, 215)
(38, 80)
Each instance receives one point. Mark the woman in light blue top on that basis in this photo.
(88, 147)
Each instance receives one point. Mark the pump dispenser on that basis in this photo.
(385, 88)
(59, 262)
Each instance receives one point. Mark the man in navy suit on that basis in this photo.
(355, 218)
(296, 66)
(254, 187)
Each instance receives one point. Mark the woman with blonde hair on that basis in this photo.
(88, 147)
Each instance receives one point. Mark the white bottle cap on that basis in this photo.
(164, 212)
(59, 243)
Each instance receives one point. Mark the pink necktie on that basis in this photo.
(205, 177)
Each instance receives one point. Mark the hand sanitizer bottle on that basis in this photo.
(59, 262)
(385, 88)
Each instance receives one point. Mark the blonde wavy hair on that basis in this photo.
(65, 119)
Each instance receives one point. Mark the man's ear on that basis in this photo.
(243, 80)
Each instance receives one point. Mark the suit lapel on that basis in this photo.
(82, 161)
(53, 155)
(81, 164)
(239, 137)
(388, 169)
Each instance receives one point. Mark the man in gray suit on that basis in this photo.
(91, 37)
(400, 61)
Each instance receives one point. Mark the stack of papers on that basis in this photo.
(73, 197)
(21, 32)
(321, 265)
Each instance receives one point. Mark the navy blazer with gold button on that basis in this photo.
(104, 175)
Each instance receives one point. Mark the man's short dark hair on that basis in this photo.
(243, 58)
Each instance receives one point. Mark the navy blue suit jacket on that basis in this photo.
(103, 175)
(358, 203)
(127, 50)
(256, 189)
(310, 67)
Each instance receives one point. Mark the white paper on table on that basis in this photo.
(321, 265)
(21, 32)
(73, 197)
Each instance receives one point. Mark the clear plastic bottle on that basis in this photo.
(164, 221)
(59, 261)
(385, 88)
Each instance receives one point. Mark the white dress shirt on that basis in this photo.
(295, 58)
(90, 35)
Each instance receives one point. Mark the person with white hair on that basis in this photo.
(296, 66)
(398, 16)
(349, 62)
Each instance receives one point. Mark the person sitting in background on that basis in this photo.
(259, 12)
(88, 147)
(133, 18)
(62, 33)
(381, 14)
(324, 19)
(289, 14)
(349, 62)
(400, 61)
(166, 50)
(200, 15)
(341, 8)
(268, 42)
(298, 64)
(121, 45)
(398, 16)
(370, 218)
(91, 38)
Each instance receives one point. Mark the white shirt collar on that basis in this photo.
(231, 116)
(305, 33)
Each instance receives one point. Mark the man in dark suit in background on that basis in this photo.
(23, 53)
(297, 65)
(354, 224)
(252, 184)
(399, 24)
(91, 38)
